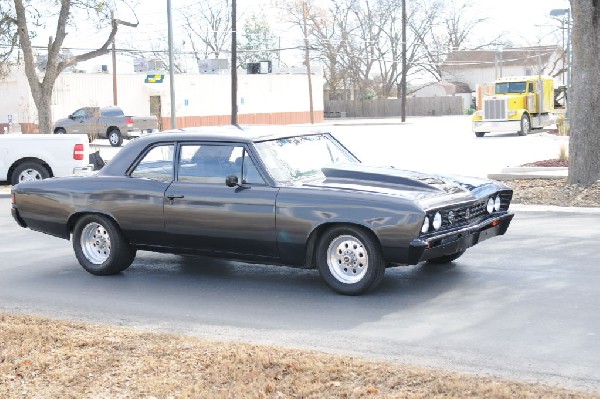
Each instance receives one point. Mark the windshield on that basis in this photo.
(511, 87)
(295, 158)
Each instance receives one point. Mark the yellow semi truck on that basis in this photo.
(517, 103)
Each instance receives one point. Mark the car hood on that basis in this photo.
(428, 190)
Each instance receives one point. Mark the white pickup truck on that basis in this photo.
(25, 157)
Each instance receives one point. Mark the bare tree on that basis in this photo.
(22, 18)
(208, 26)
(584, 145)
(447, 26)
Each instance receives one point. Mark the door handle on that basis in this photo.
(173, 196)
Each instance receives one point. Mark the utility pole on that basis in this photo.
(114, 62)
(403, 83)
(234, 80)
(307, 61)
(171, 62)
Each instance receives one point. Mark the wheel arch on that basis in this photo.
(76, 216)
(313, 239)
(110, 128)
(21, 161)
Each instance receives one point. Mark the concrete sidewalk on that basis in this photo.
(526, 172)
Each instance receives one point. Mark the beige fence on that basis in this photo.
(415, 106)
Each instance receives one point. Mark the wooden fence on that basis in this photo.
(415, 106)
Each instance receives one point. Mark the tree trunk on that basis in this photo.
(584, 146)
(43, 104)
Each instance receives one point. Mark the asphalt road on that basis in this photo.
(521, 306)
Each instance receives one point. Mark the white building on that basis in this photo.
(200, 99)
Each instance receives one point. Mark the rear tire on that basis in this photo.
(114, 137)
(60, 130)
(446, 258)
(480, 134)
(100, 246)
(29, 171)
(350, 260)
(525, 125)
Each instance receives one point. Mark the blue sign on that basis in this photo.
(186, 102)
(10, 119)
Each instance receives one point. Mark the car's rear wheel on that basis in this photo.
(100, 246)
(350, 260)
(60, 130)
(446, 258)
(480, 134)
(29, 171)
(115, 138)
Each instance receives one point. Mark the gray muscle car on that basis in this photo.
(275, 195)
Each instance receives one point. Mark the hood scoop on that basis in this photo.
(387, 176)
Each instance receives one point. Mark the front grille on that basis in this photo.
(464, 216)
(495, 108)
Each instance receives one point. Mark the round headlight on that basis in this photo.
(490, 205)
(425, 227)
(497, 203)
(437, 221)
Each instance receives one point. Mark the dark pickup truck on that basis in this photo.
(108, 123)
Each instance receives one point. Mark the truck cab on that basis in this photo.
(518, 103)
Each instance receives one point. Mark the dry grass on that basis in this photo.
(42, 358)
(554, 192)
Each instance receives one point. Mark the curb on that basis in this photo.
(552, 208)
(530, 172)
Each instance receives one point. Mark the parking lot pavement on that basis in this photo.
(443, 144)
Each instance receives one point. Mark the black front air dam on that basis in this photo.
(450, 243)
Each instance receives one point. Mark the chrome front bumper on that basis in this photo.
(496, 126)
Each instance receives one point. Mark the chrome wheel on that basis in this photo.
(30, 175)
(348, 259)
(95, 243)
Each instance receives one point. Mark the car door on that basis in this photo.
(137, 201)
(203, 213)
(75, 123)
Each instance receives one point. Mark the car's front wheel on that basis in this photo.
(350, 260)
(100, 246)
(446, 258)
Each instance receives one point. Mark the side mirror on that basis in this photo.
(71, 116)
(231, 181)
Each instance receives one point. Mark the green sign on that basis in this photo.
(154, 78)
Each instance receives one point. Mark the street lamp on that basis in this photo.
(557, 12)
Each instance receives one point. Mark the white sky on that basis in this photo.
(524, 22)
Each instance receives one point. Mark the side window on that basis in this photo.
(530, 89)
(79, 114)
(213, 163)
(157, 164)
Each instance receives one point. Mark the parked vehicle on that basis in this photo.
(107, 123)
(27, 157)
(268, 195)
(518, 103)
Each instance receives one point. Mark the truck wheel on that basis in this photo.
(350, 260)
(29, 171)
(60, 130)
(115, 138)
(100, 246)
(525, 125)
(480, 134)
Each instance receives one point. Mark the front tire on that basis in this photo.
(446, 258)
(100, 246)
(479, 134)
(29, 171)
(114, 138)
(350, 260)
(525, 125)
(60, 130)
